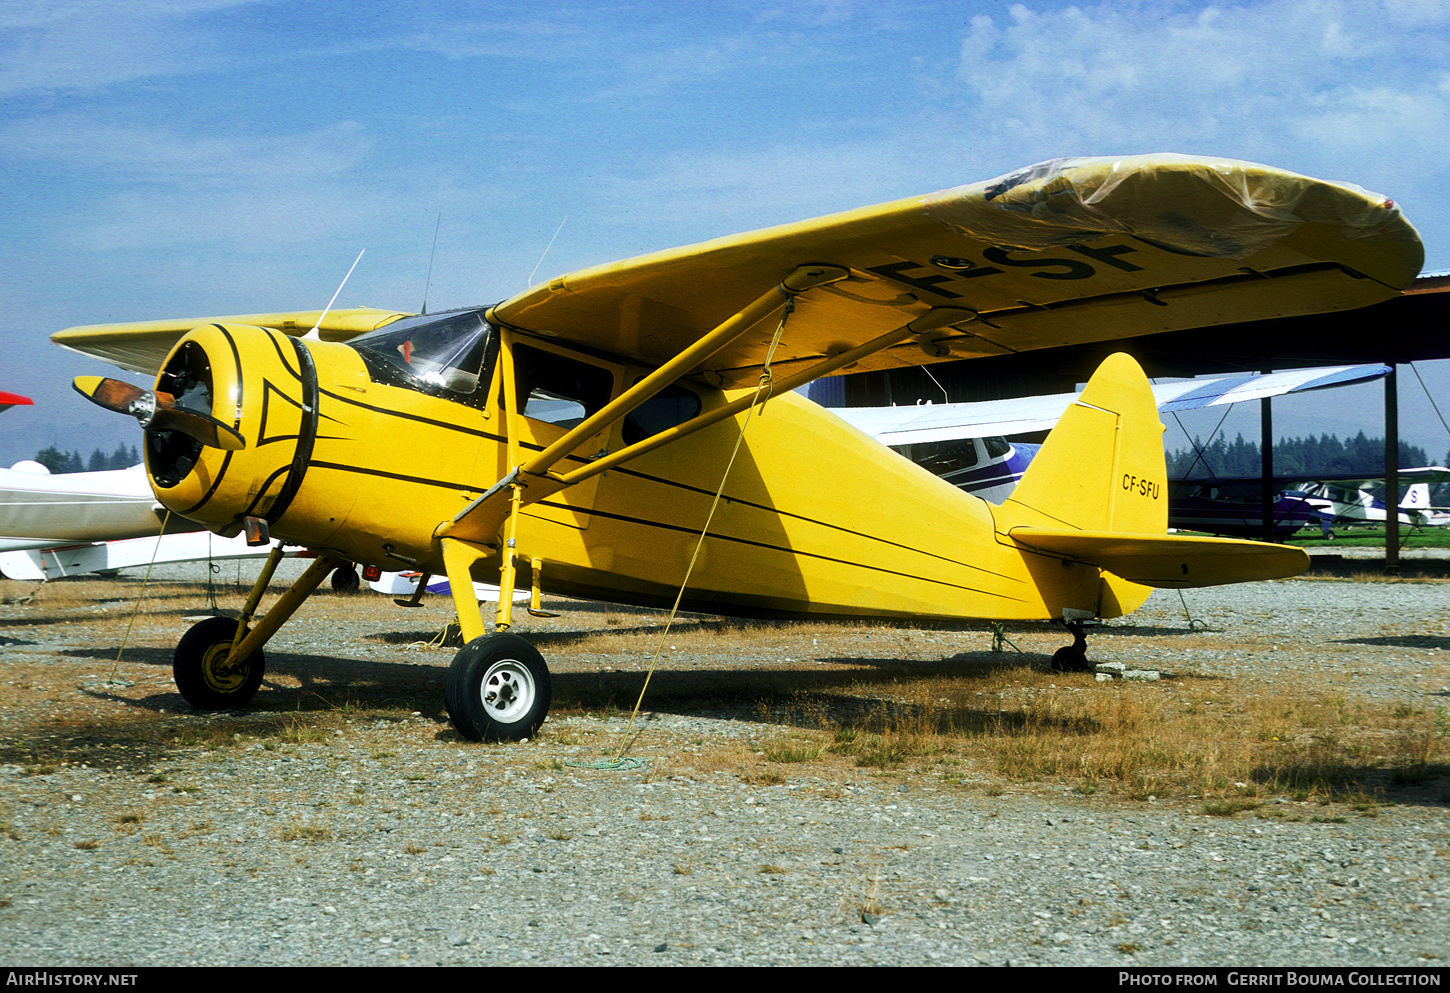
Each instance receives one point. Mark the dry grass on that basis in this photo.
(831, 700)
(1231, 745)
(299, 829)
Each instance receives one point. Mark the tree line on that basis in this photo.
(57, 460)
(1325, 455)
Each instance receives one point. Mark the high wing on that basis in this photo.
(1067, 251)
(141, 346)
(990, 418)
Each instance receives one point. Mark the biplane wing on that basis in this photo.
(141, 346)
(1067, 251)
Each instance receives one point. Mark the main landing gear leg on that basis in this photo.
(1072, 658)
(498, 687)
(219, 663)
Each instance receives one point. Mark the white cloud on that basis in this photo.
(83, 44)
(1282, 81)
(151, 153)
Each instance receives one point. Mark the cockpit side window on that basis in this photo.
(444, 355)
(558, 389)
(944, 458)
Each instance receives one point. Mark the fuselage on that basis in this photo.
(366, 449)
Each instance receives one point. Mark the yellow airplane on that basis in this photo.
(577, 438)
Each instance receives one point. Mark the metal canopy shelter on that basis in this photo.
(1413, 327)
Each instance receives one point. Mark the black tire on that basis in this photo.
(345, 580)
(204, 676)
(1069, 659)
(498, 689)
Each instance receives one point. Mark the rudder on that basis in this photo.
(1102, 467)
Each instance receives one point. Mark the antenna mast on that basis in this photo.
(313, 333)
(428, 283)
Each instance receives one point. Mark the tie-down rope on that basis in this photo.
(763, 391)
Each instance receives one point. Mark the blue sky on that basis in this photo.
(168, 158)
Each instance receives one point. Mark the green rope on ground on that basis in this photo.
(606, 765)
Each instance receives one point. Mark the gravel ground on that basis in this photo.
(165, 837)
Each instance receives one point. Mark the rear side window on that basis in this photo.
(997, 447)
(941, 457)
(670, 406)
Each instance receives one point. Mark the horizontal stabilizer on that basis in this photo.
(1168, 561)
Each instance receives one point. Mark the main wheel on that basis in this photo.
(498, 689)
(203, 673)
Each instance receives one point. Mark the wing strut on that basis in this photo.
(469, 525)
(926, 323)
(473, 534)
(800, 280)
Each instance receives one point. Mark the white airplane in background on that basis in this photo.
(39, 508)
(964, 443)
(1347, 501)
(405, 584)
(1417, 502)
(67, 524)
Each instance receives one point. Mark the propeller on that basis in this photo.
(157, 411)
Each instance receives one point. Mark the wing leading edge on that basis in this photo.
(141, 346)
(1069, 251)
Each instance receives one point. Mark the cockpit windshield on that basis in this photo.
(445, 355)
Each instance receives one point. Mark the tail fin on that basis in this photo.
(1417, 497)
(1101, 468)
(1097, 493)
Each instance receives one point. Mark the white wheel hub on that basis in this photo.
(507, 691)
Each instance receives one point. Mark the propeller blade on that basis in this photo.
(208, 430)
(158, 411)
(113, 394)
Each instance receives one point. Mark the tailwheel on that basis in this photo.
(498, 689)
(204, 674)
(1069, 659)
(1072, 658)
(345, 579)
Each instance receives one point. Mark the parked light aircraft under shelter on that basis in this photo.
(965, 443)
(575, 437)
